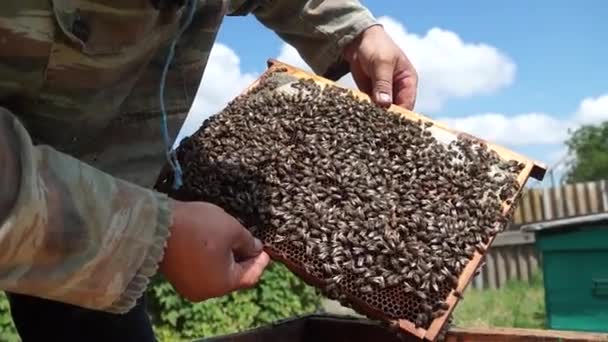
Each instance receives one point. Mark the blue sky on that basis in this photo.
(518, 73)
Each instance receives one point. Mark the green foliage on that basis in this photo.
(516, 305)
(8, 332)
(279, 294)
(589, 146)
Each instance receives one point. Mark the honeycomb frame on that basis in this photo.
(374, 305)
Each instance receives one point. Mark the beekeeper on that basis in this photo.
(83, 135)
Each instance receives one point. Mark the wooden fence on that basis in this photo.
(537, 205)
(513, 255)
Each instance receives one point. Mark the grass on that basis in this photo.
(516, 305)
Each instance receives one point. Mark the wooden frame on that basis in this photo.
(521, 335)
(333, 327)
(531, 169)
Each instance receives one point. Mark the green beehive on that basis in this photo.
(574, 254)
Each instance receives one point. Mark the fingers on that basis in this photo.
(362, 80)
(245, 246)
(249, 272)
(382, 81)
(405, 92)
(405, 84)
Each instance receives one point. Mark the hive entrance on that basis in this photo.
(370, 205)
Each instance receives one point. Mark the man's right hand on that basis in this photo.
(209, 253)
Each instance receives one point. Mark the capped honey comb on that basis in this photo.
(388, 213)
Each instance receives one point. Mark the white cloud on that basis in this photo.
(521, 129)
(223, 80)
(464, 70)
(447, 66)
(593, 110)
(290, 55)
(531, 128)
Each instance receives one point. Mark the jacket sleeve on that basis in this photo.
(319, 30)
(71, 233)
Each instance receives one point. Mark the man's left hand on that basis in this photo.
(381, 69)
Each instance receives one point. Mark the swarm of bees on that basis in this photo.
(368, 202)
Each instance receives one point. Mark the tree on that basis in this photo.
(588, 145)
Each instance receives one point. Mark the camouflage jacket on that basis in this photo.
(80, 139)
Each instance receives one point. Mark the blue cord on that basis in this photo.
(170, 152)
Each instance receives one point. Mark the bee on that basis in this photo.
(337, 278)
(366, 289)
(309, 250)
(421, 295)
(434, 286)
(393, 279)
(421, 320)
(425, 285)
(426, 307)
(360, 270)
(327, 268)
(379, 281)
(437, 314)
(369, 260)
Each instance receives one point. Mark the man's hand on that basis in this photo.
(209, 253)
(381, 69)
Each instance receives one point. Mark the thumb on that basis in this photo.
(382, 81)
(245, 246)
(249, 272)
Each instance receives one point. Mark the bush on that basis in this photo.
(8, 332)
(280, 294)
